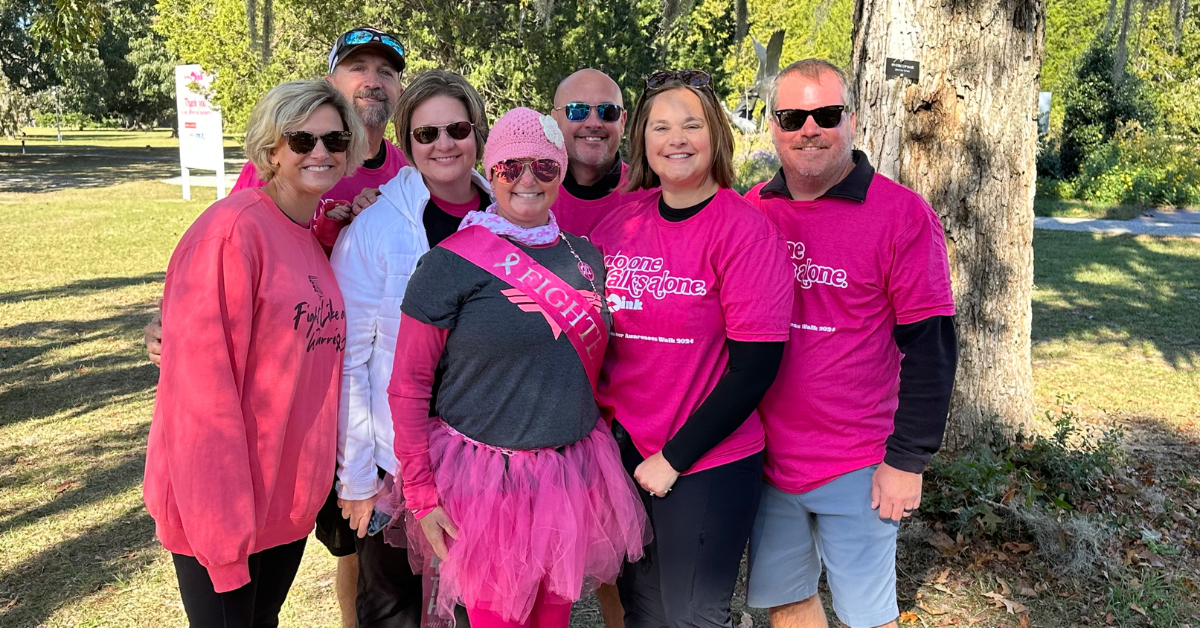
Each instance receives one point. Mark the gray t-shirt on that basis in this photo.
(508, 380)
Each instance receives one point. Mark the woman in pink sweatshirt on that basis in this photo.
(241, 447)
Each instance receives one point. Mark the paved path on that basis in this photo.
(1139, 226)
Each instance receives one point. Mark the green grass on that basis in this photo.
(103, 139)
(1115, 322)
(1085, 209)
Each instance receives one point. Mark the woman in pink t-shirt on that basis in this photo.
(241, 446)
(700, 289)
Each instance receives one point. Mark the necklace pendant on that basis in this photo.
(586, 270)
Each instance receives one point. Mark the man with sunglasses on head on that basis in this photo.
(861, 399)
(365, 65)
(590, 113)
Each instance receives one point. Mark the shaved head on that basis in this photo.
(588, 85)
(592, 143)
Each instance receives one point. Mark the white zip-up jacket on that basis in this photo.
(373, 259)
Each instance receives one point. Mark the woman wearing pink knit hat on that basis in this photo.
(517, 485)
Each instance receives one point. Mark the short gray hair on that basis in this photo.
(286, 107)
(812, 68)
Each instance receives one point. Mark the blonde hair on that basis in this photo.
(439, 83)
(286, 107)
(720, 138)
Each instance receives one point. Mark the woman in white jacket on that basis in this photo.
(441, 128)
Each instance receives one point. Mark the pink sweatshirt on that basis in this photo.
(241, 448)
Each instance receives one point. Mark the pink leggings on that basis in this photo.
(549, 611)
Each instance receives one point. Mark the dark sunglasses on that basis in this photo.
(509, 170)
(579, 111)
(692, 78)
(303, 142)
(826, 117)
(362, 36)
(429, 134)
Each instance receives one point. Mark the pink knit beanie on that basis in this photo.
(523, 133)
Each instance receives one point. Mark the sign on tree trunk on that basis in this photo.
(962, 132)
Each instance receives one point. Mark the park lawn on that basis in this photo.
(103, 139)
(1059, 208)
(1115, 326)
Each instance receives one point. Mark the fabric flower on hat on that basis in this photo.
(553, 133)
(523, 133)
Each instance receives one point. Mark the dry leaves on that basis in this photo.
(1012, 606)
(932, 611)
(908, 617)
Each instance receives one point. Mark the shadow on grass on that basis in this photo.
(1135, 290)
(35, 388)
(95, 558)
(82, 287)
(54, 172)
(1083, 209)
(124, 453)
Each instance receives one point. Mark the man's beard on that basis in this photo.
(591, 158)
(840, 155)
(374, 114)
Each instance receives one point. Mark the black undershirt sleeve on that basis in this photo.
(930, 349)
(752, 370)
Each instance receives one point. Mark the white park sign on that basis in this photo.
(200, 139)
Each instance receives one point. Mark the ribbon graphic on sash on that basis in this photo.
(560, 300)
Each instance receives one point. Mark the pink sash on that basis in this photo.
(560, 301)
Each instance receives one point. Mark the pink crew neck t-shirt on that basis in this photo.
(344, 190)
(860, 269)
(579, 217)
(677, 291)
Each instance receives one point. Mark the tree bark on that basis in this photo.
(964, 136)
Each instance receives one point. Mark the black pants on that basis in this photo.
(389, 593)
(255, 605)
(701, 528)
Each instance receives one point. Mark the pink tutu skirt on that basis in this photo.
(564, 518)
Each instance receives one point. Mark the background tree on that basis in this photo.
(964, 137)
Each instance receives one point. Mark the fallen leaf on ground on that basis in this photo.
(1005, 590)
(942, 577)
(1018, 548)
(1023, 622)
(942, 541)
(746, 621)
(943, 589)
(971, 621)
(931, 611)
(65, 486)
(1137, 609)
(1013, 607)
(11, 603)
(908, 617)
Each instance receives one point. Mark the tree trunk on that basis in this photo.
(964, 136)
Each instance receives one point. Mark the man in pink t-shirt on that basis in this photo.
(861, 399)
(368, 75)
(590, 113)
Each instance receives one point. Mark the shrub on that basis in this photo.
(1095, 106)
(754, 160)
(1140, 168)
(1048, 474)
